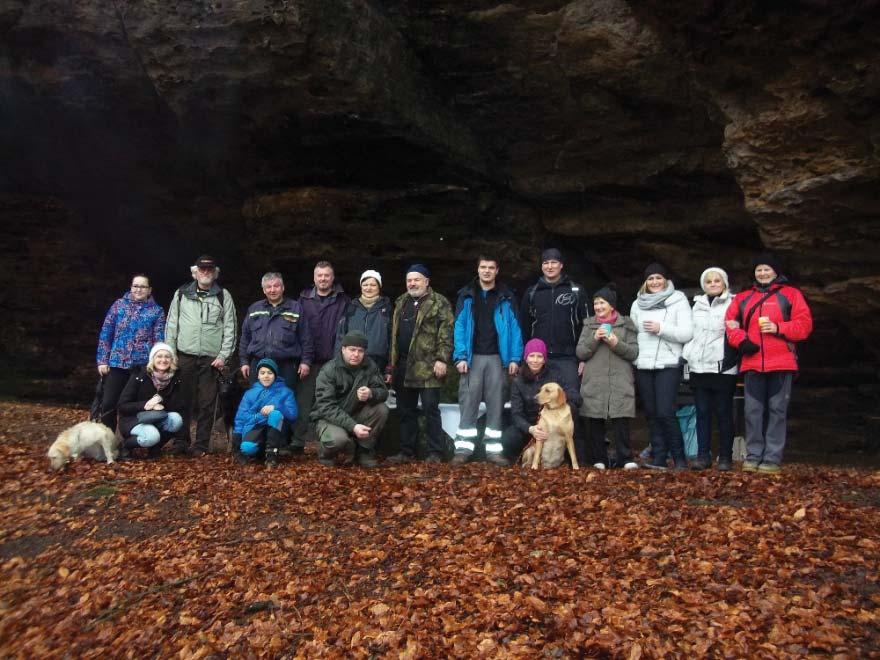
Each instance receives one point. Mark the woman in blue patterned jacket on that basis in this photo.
(132, 325)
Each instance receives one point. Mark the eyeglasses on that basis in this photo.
(140, 286)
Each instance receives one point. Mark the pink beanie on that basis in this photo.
(535, 346)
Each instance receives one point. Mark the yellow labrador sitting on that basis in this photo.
(85, 439)
(555, 419)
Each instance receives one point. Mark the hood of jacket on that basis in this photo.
(190, 289)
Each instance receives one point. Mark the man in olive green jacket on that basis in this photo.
(421, 349)
(349, 411)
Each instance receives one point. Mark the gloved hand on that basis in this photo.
(748, 347)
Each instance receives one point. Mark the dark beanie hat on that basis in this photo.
(608, 293)
(768, 259)
(355, 338)
(656, 269)
(551, 254)
(269, 363)
(419, 268)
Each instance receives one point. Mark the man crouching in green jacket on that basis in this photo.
(349, 412)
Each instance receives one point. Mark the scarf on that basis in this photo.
(656, 300)
(611, 318)
(369, 302)
(161, 379)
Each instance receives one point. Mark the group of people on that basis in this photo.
(320, 366)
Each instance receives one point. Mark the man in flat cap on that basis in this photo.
(349, 411)
(421, 349)
(201, 329)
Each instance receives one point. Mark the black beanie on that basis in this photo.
(656, 269)
(608, 293)
(355, 338)
(768, 259)
(551, 254)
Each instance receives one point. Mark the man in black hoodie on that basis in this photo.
(553, 310)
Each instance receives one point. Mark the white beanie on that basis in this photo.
(714, 269)
(371, 273)
(160, 346)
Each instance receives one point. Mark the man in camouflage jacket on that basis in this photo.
(421, 349)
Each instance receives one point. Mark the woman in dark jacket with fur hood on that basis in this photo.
(151, 402)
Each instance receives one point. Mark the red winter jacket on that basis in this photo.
(787, 308)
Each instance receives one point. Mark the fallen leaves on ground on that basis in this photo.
(200, 559)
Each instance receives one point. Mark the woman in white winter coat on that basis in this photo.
(662, 317)
(712, 364)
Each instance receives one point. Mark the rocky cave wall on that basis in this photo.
(137, 135)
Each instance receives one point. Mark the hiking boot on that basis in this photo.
(434, 457)
(124, 455)
(725, 464)
(460, 459)
(399, 458)
(326, 462)
(654, 466)
(271, 458)
(750, 466)
(366, 459)
(348, 454)
(239, 458)
(679, 464)
(498, 459)
(700, 463)
(154, 453)
(769, 468)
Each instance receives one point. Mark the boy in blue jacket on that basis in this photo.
(266, 411)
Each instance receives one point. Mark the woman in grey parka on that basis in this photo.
(609, 345)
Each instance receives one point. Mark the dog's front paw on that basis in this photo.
(576, 467)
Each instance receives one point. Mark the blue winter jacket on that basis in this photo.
(510, 343)
(129, 331)
(277, 394)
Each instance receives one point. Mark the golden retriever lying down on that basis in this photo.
(85, 439)
(555, 419)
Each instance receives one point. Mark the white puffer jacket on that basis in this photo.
(663, 350)
(705, 352)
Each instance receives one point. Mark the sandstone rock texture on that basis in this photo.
(138, 134)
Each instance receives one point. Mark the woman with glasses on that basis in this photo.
(132, 325)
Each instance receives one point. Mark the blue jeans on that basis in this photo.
(659, 389)
(149, 435)
(713, 395)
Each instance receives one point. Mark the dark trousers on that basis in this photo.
(266, 436)
(622, 448)
(659, 389)
(199, 381)
(514, 441)
(305, 400)
(713, 396)
(287, 369)
(114, 383)
(408, 408)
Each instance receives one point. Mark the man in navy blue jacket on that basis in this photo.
(275, 328)
(488, 346)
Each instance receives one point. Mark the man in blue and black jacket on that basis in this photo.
(275, 328)
(488, 345)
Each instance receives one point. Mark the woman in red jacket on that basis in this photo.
(765, 322)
